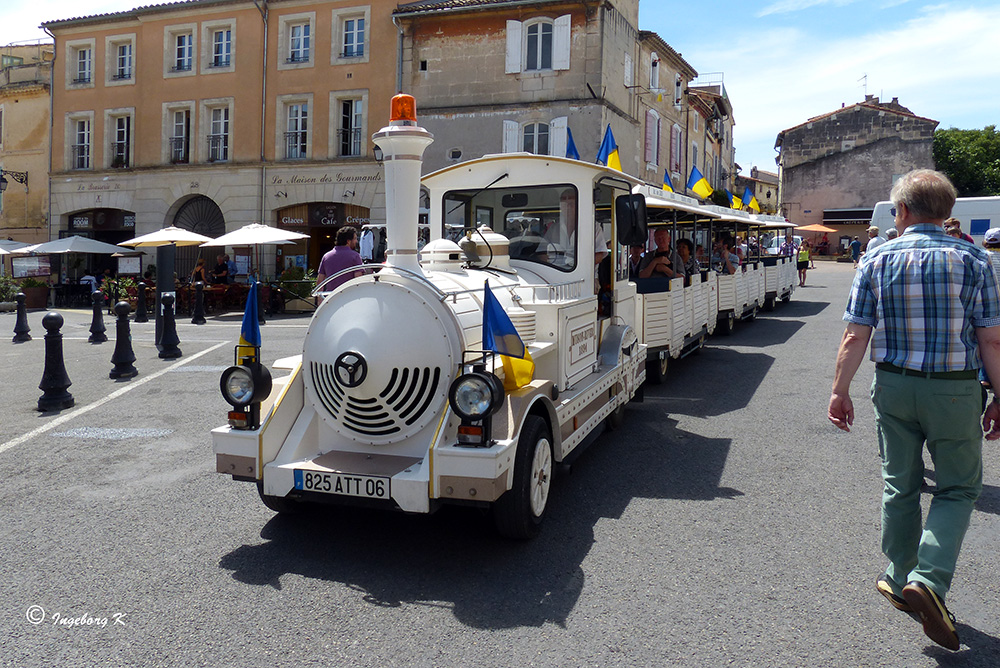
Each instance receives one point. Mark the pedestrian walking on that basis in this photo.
(926, 390)
(342, 257)
(855, 251)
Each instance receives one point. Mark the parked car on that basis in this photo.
(775, 245)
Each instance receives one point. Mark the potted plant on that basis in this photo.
(36, 292)
(8, 290)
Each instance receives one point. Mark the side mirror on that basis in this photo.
(514, 200)
(630, 219)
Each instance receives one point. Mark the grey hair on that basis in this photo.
(927, 194)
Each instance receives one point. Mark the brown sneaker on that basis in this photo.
(939, 624)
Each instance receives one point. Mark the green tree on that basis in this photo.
(971, 159)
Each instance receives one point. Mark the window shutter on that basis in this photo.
(561, 34)
(557, 136)
(659, 140)
(650, 129)
(513, 47)
(510, 132)
(628, 70)
(675, 149)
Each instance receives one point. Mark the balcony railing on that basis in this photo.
(298, 57)
(119, 154)
(82, 79)
(181, 66)
(350, 141)
(218, 147)
(81, 156)
(179, 151)
(121, 75)
(353, 52)
(220, 62)
(295, 145)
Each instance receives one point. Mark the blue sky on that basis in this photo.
(783, 61)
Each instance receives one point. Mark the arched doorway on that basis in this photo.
(199, 214)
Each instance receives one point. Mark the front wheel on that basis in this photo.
(656, 369)
(728, 324)
(520, 511)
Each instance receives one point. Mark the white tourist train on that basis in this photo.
(411, 391)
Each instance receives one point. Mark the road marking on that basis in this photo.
(14, 442)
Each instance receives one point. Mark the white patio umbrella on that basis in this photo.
(4, 252)
(168, 235)
(73, 244)
(256, 234)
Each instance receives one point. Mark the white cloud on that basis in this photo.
(940, 64)
(788, 6)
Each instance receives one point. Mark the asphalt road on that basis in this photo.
(726, 523)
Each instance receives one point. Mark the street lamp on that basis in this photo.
(20, 177)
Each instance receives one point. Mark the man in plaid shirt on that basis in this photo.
(933, 305)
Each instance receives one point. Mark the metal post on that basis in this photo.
(97, 328)
(21, 327)
(199, 304)
(140, 308)
(169, 340)
(124, 356)
(55, 380)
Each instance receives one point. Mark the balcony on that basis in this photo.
(350, 142)
(298, 57)
(81, 156)
(122, 75)
(218, 147)
(353, 52)
(82, 79)
(219, 61)
(179, 150)
(296, 145)
(181, 66)
(119, 155)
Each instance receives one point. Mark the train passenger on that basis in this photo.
(634, 260)
(664, 261)
(725, 260)
(343, 256)
(685, 248)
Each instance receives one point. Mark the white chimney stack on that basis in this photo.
(403, 143)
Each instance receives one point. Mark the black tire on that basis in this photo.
(616, 417)
(519, 512)
(278, 504)
(769, 303)
(656, 369)
(727, 325)
(787, 298)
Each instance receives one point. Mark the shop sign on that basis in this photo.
(80, 222)
(293, 222)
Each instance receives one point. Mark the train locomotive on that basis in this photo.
(402, 397)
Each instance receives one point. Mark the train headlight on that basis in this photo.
(476, 396)
(245, 385)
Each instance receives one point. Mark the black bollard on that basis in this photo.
(199, 304)
(55, 380)
(123, 356)
(140, 307)
(21, 327)
(260, 304)
(169, 340)
(97, 328)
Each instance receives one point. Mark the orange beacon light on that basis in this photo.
(404, 108)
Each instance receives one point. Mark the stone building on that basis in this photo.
(25, 71)
(836, 166)
(763, 185)
(710, 132)
(502, 77)
(211, 114)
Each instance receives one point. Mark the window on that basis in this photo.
(180, 137)
(654, 71)
(298, 43)
(354, 38)
(83, 66)
(183, 52)
(121, 141)
(81, 144)
(675, 149)
(651, 150)
(694, 154)
(222, 48)
(296, 137)
(218, 137)
(536, 138)
(123, 62)
(351, 119)
(538, 46)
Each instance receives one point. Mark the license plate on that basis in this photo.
(369, 487)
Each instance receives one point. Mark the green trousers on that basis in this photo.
(946, 415)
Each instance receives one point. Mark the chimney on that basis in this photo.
(403, 143)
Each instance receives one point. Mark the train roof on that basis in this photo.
(527, 169)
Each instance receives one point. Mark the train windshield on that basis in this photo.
(540, 221)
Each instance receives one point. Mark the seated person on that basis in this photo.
(685, 248)
(89, 279)
(725, 261)
(663, 261)
(635, 252)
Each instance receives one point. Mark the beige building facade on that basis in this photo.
(212, 114)
(25, 72)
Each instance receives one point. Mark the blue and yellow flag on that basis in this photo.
(734, 201)
(699, 184)
(668, 185)
(608, 153)
(750, 200)
(571, 151)
(250, 331)
(500, 336)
